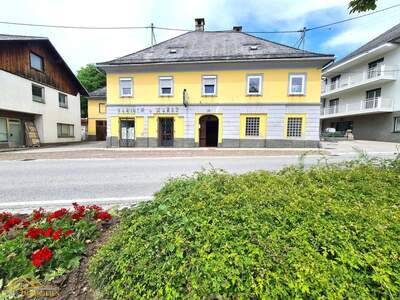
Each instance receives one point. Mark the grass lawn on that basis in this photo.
(328, 232)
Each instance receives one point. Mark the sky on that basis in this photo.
(80, 47)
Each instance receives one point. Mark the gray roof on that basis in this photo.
(99, 93)
(213, 46)
(8, 37)
(392, 35)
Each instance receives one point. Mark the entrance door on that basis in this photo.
(166, 132)
(208, 132)
(15, 133)
(101, 130)
(127, 133)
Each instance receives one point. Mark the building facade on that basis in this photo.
(39, 93)
(97, 121)
(361, 92)
(214, 89)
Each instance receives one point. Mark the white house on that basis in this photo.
(362, 91)
(37, 90)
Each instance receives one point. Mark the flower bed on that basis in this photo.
(45, 245)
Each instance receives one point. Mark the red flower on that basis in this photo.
(57, 234)
(10, 223)
(68, 233)
(103, 215)
(34, 232)
(48, 232)
(79, 208)
(95, 207)
(5, 216)
(40, 257)
(76, 216)
(58, 214)
(37, 214)
(26, 224)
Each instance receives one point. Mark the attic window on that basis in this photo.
(172, 51)
(253, 47)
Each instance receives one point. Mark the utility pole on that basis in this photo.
(153, 36)
(303, 38)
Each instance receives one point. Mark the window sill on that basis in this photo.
(65, 137)
(65, 107)
(296, 95)
(206, 96)
(166, 96)
(254, 95)
(38, 101)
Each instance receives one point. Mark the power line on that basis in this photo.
(185, 30)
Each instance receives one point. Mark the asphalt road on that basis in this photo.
(52, 183)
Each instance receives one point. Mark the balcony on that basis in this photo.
(373, 76)
(364, 107)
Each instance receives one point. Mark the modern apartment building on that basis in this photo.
(361, 92)
(214, 89)
(39, 94)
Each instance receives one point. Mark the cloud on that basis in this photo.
(79, 47)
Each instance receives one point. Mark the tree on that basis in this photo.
(92, 79)
(362, 5)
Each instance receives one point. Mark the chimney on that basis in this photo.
(199, 24)
(237, 28)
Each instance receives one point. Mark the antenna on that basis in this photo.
(153, 35)
(303, 38)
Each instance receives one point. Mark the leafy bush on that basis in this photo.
(44, 245)
(328, 232)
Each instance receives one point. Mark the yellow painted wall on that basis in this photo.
(231, 87)
(94, 114)
(262, 130)
(303, 124)
(179, 128)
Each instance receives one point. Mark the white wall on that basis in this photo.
(16, 95)
(390, 90)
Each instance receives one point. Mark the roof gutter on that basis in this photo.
(216, 61)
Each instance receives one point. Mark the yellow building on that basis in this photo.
(225, 89)
(97, 121)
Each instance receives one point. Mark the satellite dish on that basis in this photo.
(185, 98)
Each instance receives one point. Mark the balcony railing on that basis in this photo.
(381, 71)
(365, 106)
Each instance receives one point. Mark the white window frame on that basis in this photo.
(161, 78)
(66, 100)
(42, 100)
(203, 85)
(303, 86)
(121, 92)
(396, 124)
(260, 77)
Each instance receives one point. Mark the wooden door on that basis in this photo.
(101, 130)
(166, 132)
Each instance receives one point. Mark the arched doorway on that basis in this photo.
(208, 131)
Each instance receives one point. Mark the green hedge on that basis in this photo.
(329, 232)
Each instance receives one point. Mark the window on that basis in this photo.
(65, 130)
(335, 82)
(37, 93)
(209, 85)
(36, 62)
(125, 87)
(254, 84)
(102, 108)
(252, 126)
(3, 130)
(396, 125)
(297, 83)
(375, 68)
(294, 127)
(372, 99)
(333, 106)
(166, 86)
(372, 94)
(62, 100)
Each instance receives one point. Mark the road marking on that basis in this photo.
(57, 203)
